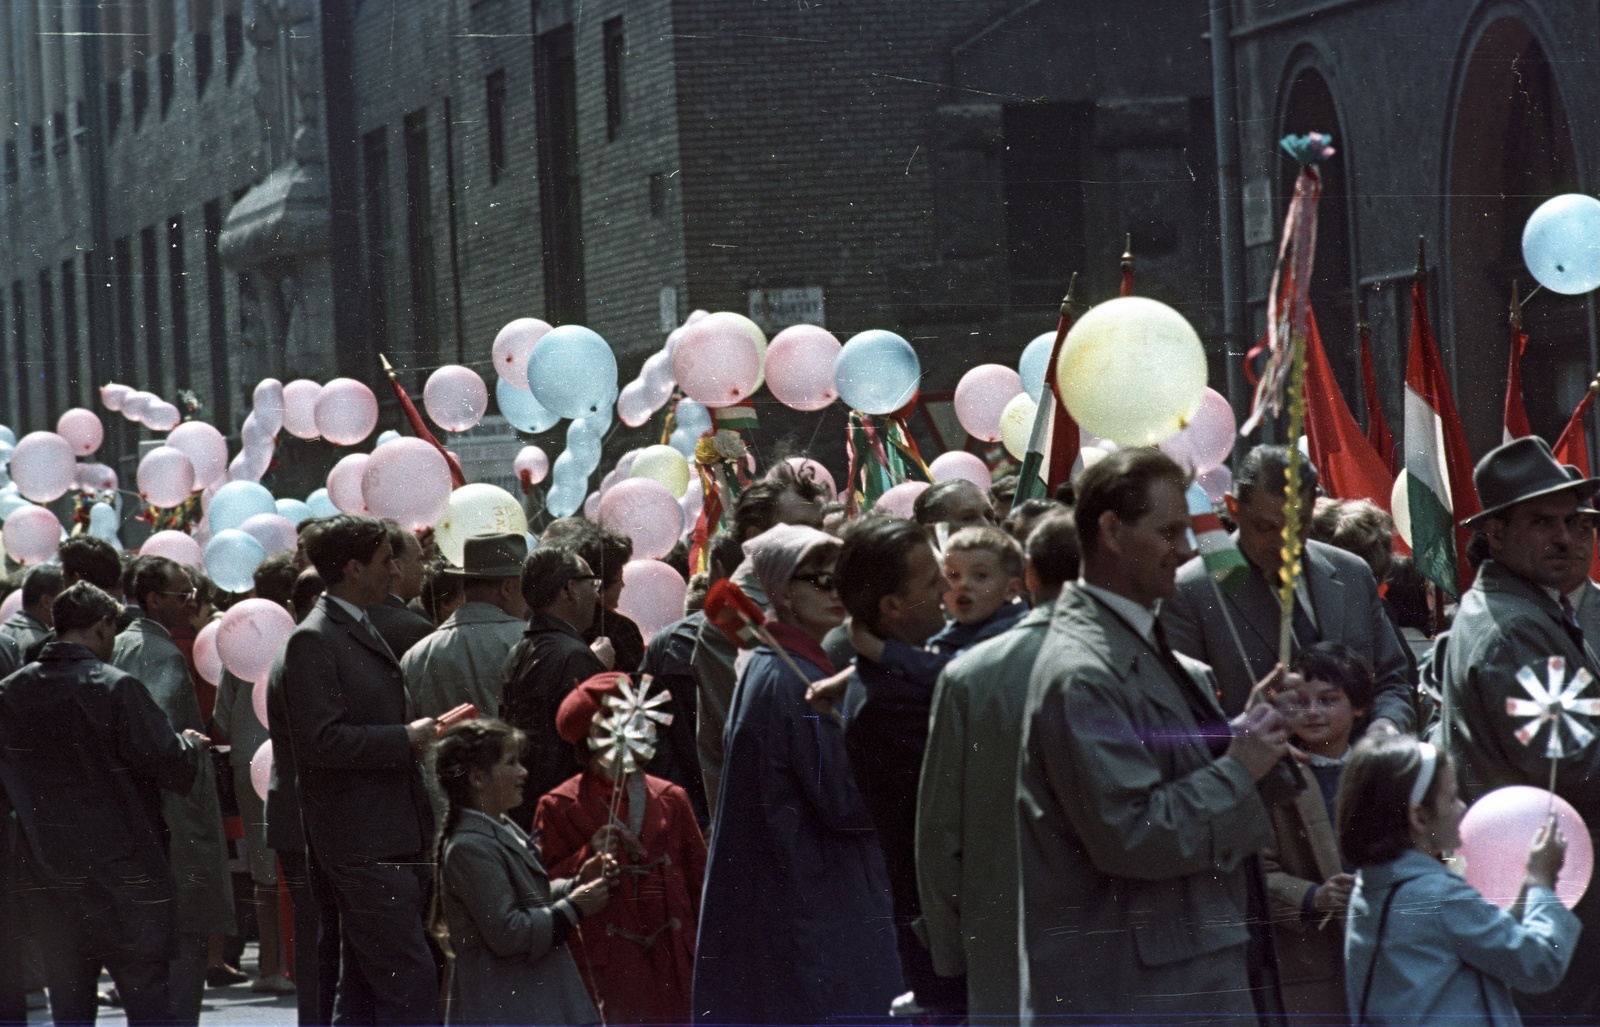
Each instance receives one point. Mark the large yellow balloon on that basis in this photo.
(476, 509)
(663, 464)
(1016, 424)
(1133, 371)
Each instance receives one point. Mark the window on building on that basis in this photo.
(13, 172)
(76, 391)
(58, 134)
(560, 208)
(658, 194)
(375, 201)
(217, 318)
(138, 20)
(201, 13)
(232, 40)
(122, 296)
(25, 367)
(47, 345)
(178, 302)
(150, 272)
(1044, 198)
(419, 231)
(36, 134)
(615, 48)
(495, 114)
(112, 62)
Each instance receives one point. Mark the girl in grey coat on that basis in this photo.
(501, 918)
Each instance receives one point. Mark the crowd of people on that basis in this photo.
(953, 768)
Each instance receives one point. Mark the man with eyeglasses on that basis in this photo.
(562, 595)
(166, 599)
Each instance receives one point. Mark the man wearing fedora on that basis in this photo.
(1515, 617)
(464, 661)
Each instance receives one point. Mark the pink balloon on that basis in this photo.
(344, 484)
(406, 479)
(82, 430)
(161, 416)
(137, 403)
(176, 546)
(112, 395)
(252, 634)
(455, 397)
(346, 411)
(206, 659)
(94, 478)
(901, 499)
(206, 449)
(1216, 482)
(43, 466)
(166, 477)
(633, 405)
(1495, 835)
(261, 762)
(11, 604)
(693, 502)
(275, 532)
(32, 534)
(647, 512)
(591, 506)
(655, 379)
(958, 463)
(981, 397)
(266, 404)
(800, 367)
(1208, 438)
(805, 467)
(716, 362)
(531, 465)
(511, 349)
(652, 595)
(300, 408)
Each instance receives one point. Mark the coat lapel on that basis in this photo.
(1133, 660)
(1319, 830)
(340, 616)
(1326, 591)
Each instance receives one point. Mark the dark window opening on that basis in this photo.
(113, 108)
(658, 194)
(615, 47)
(141, 95)
(47, 344)
(36, 134)
(167, 76)
(232, 44)
(80, 121)
(1044, 199)
(12, 169)
(58, 134)
(375, 197)
(76, 393)
(419, 231)
(217, 319)
(177, 299)
(19, 334)
(150, 268)
(203, 58)
(123, 295)
(495, 114)
(560, 212)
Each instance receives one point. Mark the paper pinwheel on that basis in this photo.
(1554, 702)
(628, 730)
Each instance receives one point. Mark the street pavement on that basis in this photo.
(237, 1006)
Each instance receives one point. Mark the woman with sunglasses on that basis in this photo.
(794, 922)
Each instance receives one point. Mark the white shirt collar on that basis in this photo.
(1327, 761)
(351, 608)
(1140, 618)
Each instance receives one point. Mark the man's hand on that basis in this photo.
(1260, 740)
(601, 647)
(1276, 683)
(421, 733)
(865, 642)
(196, 739)
(825, 694)
(1333, 895)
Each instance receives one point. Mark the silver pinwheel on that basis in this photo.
(1554, 701)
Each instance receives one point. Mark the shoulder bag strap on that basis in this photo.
(1372, 967)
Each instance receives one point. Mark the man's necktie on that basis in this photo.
(1305, 632)
(1569, 620)
(372, 633)
(1215, 730)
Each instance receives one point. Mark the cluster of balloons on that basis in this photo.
(642, 397)
(140, 407)
(245, 642)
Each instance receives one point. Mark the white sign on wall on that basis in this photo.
(776, 309)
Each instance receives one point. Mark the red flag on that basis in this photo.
(1378, 434)
(1573, 448)
(1348, 465)
(1064, 440)
(1127, 269)
(1516, 419)
(420, 429)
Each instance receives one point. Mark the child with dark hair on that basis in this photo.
(1422, 946)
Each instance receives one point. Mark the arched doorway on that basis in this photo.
(1310, 108)
(1510, 150)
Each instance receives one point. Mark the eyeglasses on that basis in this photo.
(584, 577)
(191, 596)
(824, 580)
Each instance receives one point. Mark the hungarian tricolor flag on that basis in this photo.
(738, 417)
(1054, 442)
(1218, 552)
(1438, 464)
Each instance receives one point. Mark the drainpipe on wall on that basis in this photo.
(1225, 109)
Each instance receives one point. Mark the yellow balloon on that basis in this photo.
(476, 509)
(663, 464)
(1400, 507)
(1133, 371)
(1016, 424)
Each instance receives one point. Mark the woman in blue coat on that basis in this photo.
(796, 922)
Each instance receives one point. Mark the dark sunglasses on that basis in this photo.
(824, 580)
(191, 596)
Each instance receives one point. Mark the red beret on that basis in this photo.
(582, 703)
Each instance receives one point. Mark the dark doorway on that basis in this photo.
(1044, 199)
(561, 213)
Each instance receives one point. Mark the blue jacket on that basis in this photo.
(1448, 955)
(795, 920)
(923, 665)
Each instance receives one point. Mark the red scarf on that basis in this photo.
(799, 643)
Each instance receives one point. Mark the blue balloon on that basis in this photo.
(388, 436)
(569, 485)
(572, 371)
(7, 436)
(684, 443)
(877, 372)
(232, 558)
(1035, 364)
(692, 417)
(237, 502)
(520, 408)
(584, 445)
(295, 510)
(320, 505)
(1561, 244)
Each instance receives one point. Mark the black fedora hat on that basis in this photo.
(1520, 470)
(493, 555)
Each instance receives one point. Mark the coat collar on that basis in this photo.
(1496, 577)
(542, 623)
(340, 615)
(503, 831)
(1091, 624)
(478, 613)
(144, 624)
(1255, 605)
(1409, 865)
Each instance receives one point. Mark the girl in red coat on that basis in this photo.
(637, 956)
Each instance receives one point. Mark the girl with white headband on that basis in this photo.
(1421, 945)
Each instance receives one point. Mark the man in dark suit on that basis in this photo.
(367, 819)
(1336, 601)
(398, 625)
